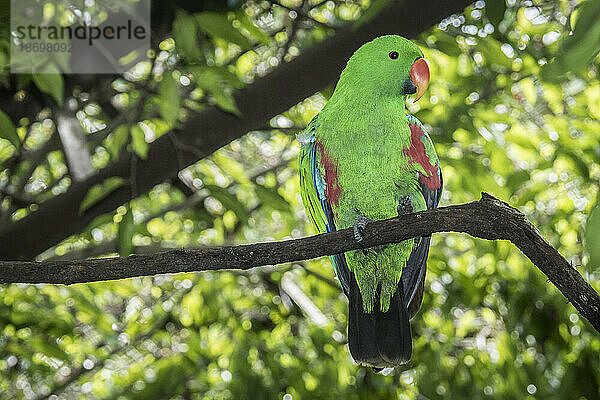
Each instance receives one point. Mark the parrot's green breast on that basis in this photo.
(367, 170)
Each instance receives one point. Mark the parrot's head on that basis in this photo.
(390, 66)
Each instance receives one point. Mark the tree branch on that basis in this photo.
(488, 218)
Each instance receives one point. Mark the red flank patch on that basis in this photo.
(333, 189)
(417, 154)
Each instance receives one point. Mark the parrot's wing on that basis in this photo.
(312, 189)
(430, 182)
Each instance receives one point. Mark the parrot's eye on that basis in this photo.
(393, 55)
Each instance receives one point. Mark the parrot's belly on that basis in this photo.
(376, 193)
(375, 196)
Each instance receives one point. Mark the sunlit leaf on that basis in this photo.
(117, 140)
(226, 102)
(271, 198)
(52, 84)
(229, 201)
(138, 142)
(447, 44)
(495, 10)
(579, 48)
(217, 25)
(100, 191)
(209, 77)
(592, 237)
(373, 11)
(492, 51)
(8, 130)
(125, 234)
(231, 167)
(253, 31)
(49, 349)
(212, 80)
(581, 165)
(169, 99)
(185, 32)
(169, 379)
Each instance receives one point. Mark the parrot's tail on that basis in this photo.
(379, 339)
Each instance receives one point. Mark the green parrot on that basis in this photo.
(364, 158)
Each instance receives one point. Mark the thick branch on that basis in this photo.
(287, 85)
(488, 218)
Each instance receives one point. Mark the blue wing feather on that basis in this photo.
(308, 140)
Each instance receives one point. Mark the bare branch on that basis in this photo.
(488, 218)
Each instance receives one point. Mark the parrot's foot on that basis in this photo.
(405, 206)
(359, 228)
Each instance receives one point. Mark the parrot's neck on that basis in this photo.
(347, 95)
(362, 115)
(366, 98)
(364, 125)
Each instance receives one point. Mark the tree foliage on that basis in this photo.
(513, 108)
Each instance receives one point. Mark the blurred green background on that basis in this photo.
(514, 110)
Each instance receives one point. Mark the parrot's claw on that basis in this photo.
(405, 206)
(359, 227)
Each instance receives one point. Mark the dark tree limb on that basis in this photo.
(488, 218)
(315, 69)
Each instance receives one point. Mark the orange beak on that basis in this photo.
(419, 74)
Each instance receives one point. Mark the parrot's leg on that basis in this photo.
(359, 228)
(405, 206)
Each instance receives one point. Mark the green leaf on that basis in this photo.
(495, 10)
(447, 44)
(254, 32)
(226, 102)
(579, 48)
(210, 77)
(125, 234)
(229, 201)
(515, 180)
(8, 130)
(138, 142)
(52, 84)
(100, 191)
(22, 80)
(117, 140)
(99, 221)
(271, 198)
(185, 32)
(231, 167)
(217, 25)
(49, 348)
(373, 11)
(171, 376)
(158, 125)
(492, 51)
(581, 165)
(592, 237)
(169, 99)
